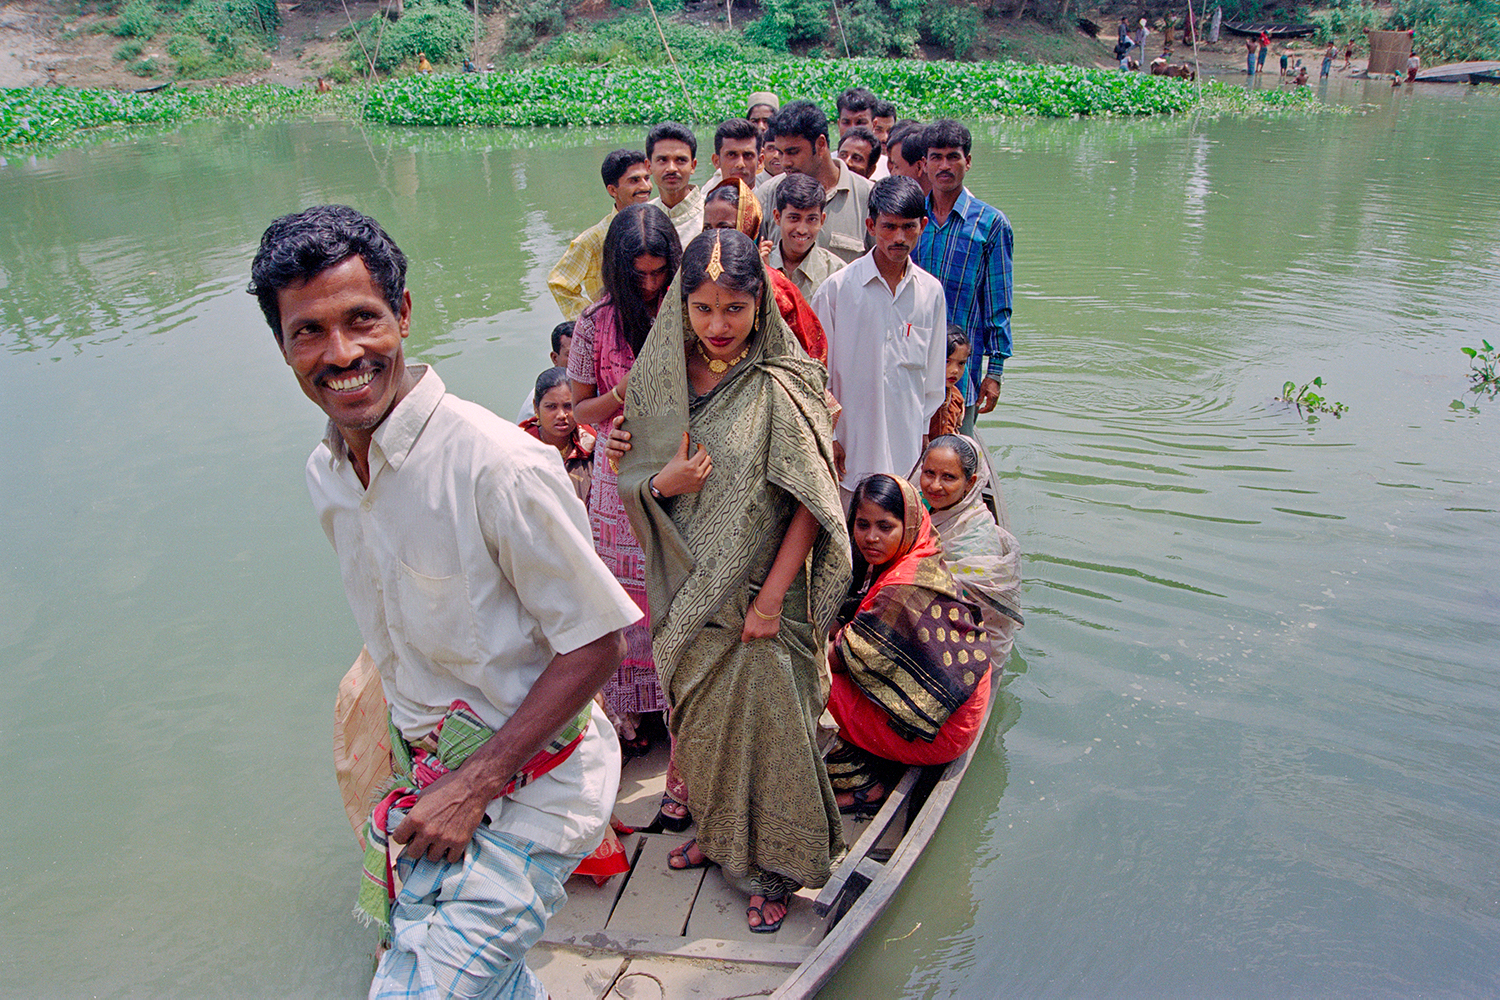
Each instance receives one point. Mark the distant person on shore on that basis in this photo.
(1285, 59)
(1250, 57)
(1122, 53)
(1328, 55)
(737, 145)
(799, 217)
(967, 245)
(856, 107)
(562, 344)
(575, 281)
(672, 150)
(800, 131)
(763, 104)
(495, 638)
(1141, 34)
(860, 149)
(1124, 30)
(1264, 46)
(1299, 78)
(886, 322)
(1348, 53)
(1413, 64)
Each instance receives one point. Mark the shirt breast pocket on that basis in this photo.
(437, 617)
(844, 245)
(908, 347)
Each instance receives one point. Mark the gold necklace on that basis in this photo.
(720, 367)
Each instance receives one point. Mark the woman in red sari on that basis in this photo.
(910, 656)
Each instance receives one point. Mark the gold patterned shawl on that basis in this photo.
(984, 558)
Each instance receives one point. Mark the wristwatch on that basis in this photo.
(651, 485)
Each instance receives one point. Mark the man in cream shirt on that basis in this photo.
(469, 567)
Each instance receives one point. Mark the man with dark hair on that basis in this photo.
(672, 150)
(856, 106)
(800, 131)
(562, 345)
(469, 566)
(887, 326)
(861, 150)
(907, 154)
(882, 121)
(576, 280)
(967, 245)
(799, 216)
(736, 153)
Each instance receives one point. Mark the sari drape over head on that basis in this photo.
(984, 558)
(799, 316)
(916, 646)
(743, 715)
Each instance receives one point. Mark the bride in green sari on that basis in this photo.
(730, 488)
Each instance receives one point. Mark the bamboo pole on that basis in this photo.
(663, 36)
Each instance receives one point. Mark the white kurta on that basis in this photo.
(468, 564)
(887, 357)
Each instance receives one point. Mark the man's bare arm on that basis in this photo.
(447, 812)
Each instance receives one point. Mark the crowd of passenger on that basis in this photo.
(746, 492)
(784, 365)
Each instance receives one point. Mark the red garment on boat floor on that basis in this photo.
(865, 724)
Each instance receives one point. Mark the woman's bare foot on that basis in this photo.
(766, 915)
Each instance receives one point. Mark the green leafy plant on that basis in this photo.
(1306, 400)
(1343, 22)
(1483, 362)
(138, 19)
(130, 50)
(954, 27)
(1451, 30)
(441, 30)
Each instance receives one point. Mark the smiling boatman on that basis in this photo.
(469, 566)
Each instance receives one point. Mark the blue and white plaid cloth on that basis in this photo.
(462, 929)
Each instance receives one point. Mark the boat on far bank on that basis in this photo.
(1276, 29)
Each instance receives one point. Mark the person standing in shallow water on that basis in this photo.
(473, 626)
(641, 254)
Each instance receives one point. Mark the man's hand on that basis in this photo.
(441, 824)
(617, 443)
(838, 460)
(989, 394)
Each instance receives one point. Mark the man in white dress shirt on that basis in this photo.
(469, 567)
(887, 323)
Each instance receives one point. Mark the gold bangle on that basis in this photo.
(615, 392)
(762, 615)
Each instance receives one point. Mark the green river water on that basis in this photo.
(1249, 747)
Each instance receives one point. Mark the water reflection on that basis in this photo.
(1257, 754)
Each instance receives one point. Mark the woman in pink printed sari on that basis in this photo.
(641, 254)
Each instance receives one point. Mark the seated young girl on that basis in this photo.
(981, 554)
(910, 658)
(554, 424)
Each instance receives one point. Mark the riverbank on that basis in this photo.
(600, 95)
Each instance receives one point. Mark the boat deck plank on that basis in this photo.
(656, 901)
(720, 913)
(572, 974)
(656, 978)
(588, 907)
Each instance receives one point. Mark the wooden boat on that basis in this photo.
(657, 932)
(1276, 29)
(1463, 72)
(1484, 77)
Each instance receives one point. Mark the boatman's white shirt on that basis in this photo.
(887, 361)
(468, 564)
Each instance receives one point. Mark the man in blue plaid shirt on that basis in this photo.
(967, 246)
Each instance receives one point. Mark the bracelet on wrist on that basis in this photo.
(615, 392)
(762, 615)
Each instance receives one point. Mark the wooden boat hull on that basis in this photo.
(1274, 29)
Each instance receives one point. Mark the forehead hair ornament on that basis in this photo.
(715, 266)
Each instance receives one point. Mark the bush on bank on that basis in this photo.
(638, 95)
